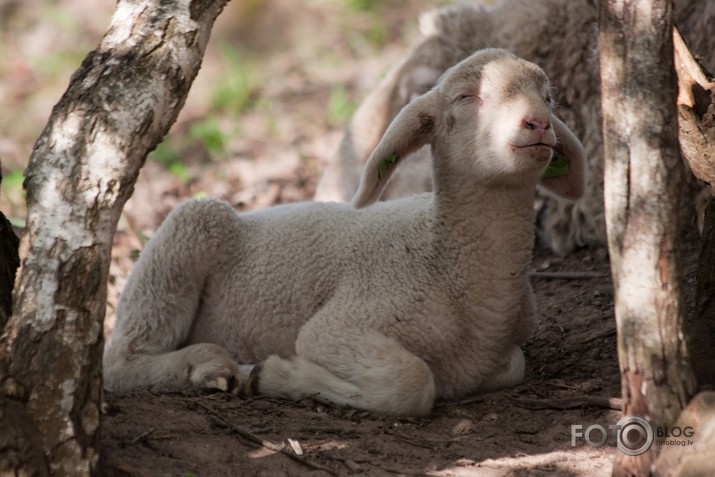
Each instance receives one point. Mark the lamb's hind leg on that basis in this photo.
(159, 305)
(511, 371)
(367, 371)
(510, 374)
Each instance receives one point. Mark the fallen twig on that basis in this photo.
(342, 432)
(299, 400)
(568, 275)
(250, 436)
(470, 400)
(355, 468)
(415, 443)
(600, 335)
(143, 435)
(124, 468)
(570, 403)
(352, 466)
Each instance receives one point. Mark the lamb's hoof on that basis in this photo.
(250, 385)
(220, 383)
(210, 368)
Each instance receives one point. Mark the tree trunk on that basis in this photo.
(9, 261)
(643, 174)
(701, 328)
(696, 117)
(696, 113)
(119, 105)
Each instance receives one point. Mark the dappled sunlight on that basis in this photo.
(582, 461)
(265, 115)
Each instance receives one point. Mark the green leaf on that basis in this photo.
(559, 166)
(385, 164)
(340, 107)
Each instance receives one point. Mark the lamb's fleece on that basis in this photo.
(559, 35)
(381, 307)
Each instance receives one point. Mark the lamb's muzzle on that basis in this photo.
(452, 33)
(384, 306)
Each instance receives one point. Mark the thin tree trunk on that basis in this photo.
(119, 105)
(9, 261)
(643, 174)
(701, 328)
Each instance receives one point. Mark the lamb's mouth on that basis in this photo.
(537, 146)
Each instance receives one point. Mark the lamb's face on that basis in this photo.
(499, 117)
(489, 122)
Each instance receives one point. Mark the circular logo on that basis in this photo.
(634, 436)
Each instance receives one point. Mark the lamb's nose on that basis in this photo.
(540, 124)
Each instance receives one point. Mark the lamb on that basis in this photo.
(382, 306)
(561, 36)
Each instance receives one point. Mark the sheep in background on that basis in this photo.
(383, 307)
(561, 36)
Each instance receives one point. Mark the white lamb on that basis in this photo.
(385, 307)
(559, 35)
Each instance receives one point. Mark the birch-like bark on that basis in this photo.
(118, 106)
(643, 174)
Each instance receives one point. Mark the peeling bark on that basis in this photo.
(118, 106)
(696, 117)
(643, 175)
(696, 113)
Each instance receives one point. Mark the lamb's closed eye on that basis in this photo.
(450, 34)
(382, 306)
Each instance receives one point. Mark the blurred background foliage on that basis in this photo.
(279, 81)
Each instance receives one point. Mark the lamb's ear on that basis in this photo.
(566, 175)
(413, 127)
(414, 81)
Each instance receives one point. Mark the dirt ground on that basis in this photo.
(272, 152)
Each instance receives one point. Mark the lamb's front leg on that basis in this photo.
(364, 370)
(197, 367)
(160, 302)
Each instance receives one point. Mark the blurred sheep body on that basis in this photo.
(381, 306)
(561, 37)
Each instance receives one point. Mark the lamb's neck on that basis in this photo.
(482, 211)
(490, 232)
